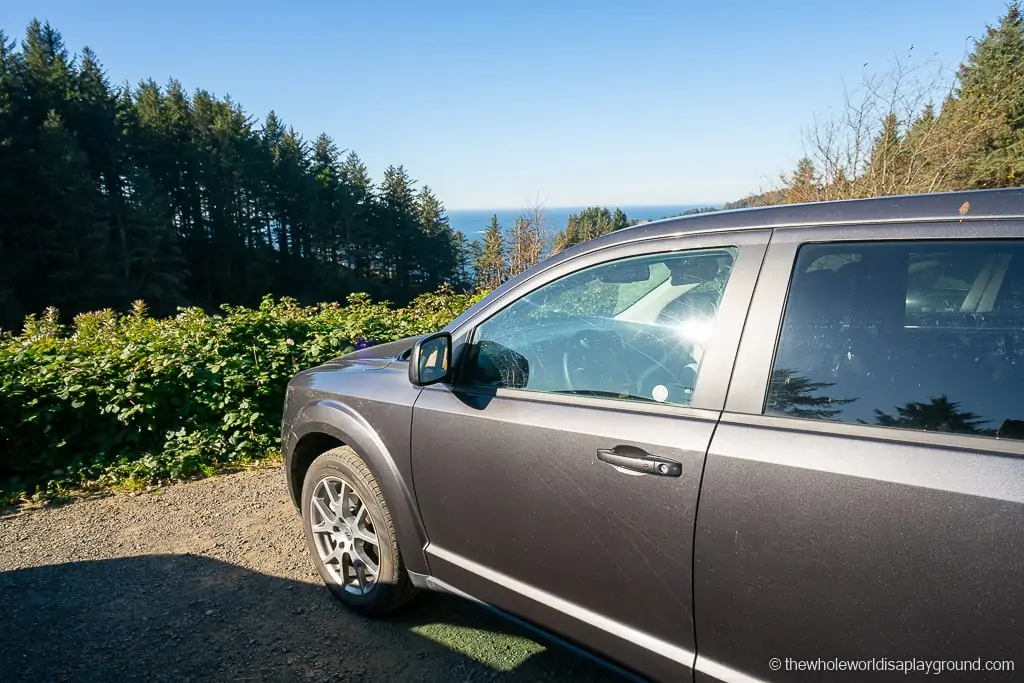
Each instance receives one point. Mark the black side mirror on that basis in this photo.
(430, 361)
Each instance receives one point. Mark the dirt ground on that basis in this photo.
(210, 581)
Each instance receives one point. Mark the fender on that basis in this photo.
(343, 423)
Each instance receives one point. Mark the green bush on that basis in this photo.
(116, 397)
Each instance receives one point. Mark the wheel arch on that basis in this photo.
(328, 424)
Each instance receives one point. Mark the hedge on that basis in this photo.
(124, 396)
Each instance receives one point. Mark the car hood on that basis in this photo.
(379, 355)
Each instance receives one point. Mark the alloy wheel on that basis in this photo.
(344, 535)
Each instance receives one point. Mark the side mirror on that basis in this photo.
(430, 361)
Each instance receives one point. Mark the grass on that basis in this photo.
(501, 651)
(60, 492)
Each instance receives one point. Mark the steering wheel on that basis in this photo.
(591, 361)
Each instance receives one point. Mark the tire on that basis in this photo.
(392, 587)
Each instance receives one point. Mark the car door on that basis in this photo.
(612, 360)
(863, 500)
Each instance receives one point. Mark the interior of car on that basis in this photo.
(909, 335)
(634, 329)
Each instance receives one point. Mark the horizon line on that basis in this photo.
(584, 206)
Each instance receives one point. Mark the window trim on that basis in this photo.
(611, 405)
(712, 382)
(896, 435)
(748, 391)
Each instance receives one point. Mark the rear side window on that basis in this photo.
(913, 335)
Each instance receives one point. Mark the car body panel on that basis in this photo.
(821, 539)
(524, 497)
(566, 622)
(365, 402)
(814, 545)
(377, 355)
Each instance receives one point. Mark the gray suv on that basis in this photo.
(756, 445)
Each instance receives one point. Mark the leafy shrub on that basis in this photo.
(116, 397)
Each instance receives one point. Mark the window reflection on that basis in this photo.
(925, 336)
(937, 415)
(796, 396)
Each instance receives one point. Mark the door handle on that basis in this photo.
(639, 460)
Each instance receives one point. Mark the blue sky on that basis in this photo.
(494, 104)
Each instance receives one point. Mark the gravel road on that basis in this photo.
(210, 581)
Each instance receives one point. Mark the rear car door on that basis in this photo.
(613, 360)
(863, 500)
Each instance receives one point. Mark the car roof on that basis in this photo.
(941, 206)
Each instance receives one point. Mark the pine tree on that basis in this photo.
(491, 269)
(991, 92)
(154, 267)
(46, 73)
(327, 201)
(525, 246)
(70, 262)
(113, 194)
(568, 237)
(924, 121)
(619, 220)
(463, 277)
(588, 224)
(922, 164)
(595, 221)
(399, 226)
(11, 310)
(363, 245)
(937, 415)
(886, 168)
(802, 186)
(437, 262)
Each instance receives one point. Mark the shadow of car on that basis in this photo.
(193, 618)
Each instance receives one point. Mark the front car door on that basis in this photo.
(863, 500)
(558, 477)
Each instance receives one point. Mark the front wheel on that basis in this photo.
(350, 534)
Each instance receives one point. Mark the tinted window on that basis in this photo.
(914, 335)
(633, 329)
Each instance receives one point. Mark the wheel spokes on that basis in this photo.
(327, 515)
(361, 527)
(324, 527)
(344, 535)
(371, 565)
(336, 555)
(361, 577)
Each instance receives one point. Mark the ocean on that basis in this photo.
(471, 222)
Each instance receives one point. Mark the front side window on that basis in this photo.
(631, 329)
(913, 335)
